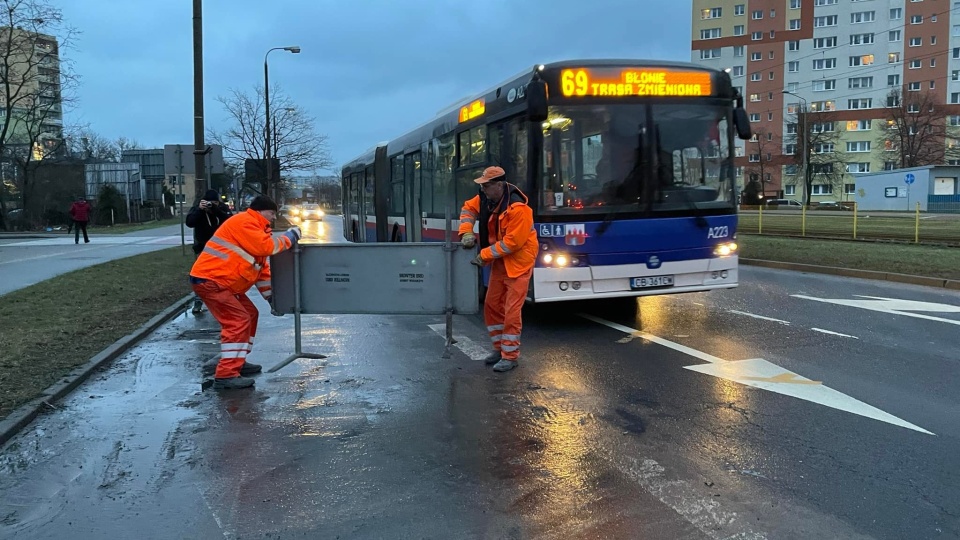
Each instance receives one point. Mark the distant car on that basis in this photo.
(783, 203)
(830, 205)
(289, 212)
(311, 211)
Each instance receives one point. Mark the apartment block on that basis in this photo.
(32, 71)
(834, 63)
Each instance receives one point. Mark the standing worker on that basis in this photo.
(80, 213)
(205, 219)
(509, 242)
(235, 259)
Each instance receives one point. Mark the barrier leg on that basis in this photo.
(297, 351)
(449, 248)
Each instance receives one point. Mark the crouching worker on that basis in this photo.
(233, 260)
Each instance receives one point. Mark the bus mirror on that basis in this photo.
(537, 100)
(742, 123)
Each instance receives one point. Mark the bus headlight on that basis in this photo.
(725, 250)
(562, 260)
(548, 258)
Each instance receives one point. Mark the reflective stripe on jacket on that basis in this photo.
(512, 237)
(236, 256)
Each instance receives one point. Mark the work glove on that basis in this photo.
(478, 261)
(293, 233)
(469, 240)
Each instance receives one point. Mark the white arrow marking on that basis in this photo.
(892, 306)
(760, 373)
(471, 348)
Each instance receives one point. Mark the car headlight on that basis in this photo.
(725, 249)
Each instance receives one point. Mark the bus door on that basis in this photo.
(411, 178)
(348, 206)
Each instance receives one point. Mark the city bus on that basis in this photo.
(628, 165)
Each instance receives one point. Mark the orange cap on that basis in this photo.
(490, 174)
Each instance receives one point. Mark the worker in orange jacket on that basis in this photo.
(508, 241)
(233, 260)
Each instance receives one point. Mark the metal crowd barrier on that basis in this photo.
(424, 278)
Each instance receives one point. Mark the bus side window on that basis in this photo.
(426, 178)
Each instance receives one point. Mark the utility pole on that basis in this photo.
(198, 144)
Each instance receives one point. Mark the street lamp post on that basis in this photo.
(806, 146)
(295, 49)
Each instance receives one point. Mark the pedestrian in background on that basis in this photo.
(80, 214)
(235, 259)
(508, 243)
(205, 218)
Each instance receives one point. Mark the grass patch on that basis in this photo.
(52, 327)
(930, 261)
(933, 230)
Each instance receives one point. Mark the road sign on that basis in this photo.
(909, 178)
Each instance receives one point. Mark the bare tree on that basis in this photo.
(36, 85)
(759, 171)
(915, 131)
(90, 145)
(814, 132)
(293, 134)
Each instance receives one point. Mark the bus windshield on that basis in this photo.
(635, 159)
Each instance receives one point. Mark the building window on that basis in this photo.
(790, 190)
(916, 64)
(754, 56)
(756, 76)
(754, 97)
(794, 4)
(864, 60)
(738, 51)
(916, 19)
(793, 67)
(825, 20)
(706, 54)
(739, 30)
(793, 87)
(824, 2)
(860, 103)
(710, 33)
(754, 158)
(893, 80)
(894, 35)
(861, 39)
(822, 189)
(860, 82)
(858, 146)
(757, 14)
(825, 43)
(739, 9)
(916, 41)
(824, 85)
(790, 149)
(862, 17)
(824, 63)
(756, 36)
(711, 13)
(850, 189)
(738, 71)
(896, 13)
(793, 45)
(794, 24)
(858, 167)
(858, 125)
(913, 87)
(754, 117)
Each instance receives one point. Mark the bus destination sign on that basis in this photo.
(472, 110)
(642, 82)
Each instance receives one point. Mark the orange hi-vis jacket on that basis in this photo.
(237, 255)
(511, 235)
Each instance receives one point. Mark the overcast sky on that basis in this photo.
(369, 71)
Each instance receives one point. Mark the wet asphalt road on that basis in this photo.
(599, 434)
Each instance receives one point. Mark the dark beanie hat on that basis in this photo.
(211, 195)
(262, 202)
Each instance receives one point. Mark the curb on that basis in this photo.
(22, 416)
(940, 283)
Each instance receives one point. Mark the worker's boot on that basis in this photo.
(232, 383)
(504, 365)
(492, 359)
(250, 369)
(197, 307)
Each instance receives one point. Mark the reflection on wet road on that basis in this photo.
(601, 433)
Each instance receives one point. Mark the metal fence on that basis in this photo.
(849, 222)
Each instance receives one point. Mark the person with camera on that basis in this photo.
(205, 218)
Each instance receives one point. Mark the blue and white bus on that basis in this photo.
(628, 165)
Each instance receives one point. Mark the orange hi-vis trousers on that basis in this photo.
(502, 307)
(238, 320)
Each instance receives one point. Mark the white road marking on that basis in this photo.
(833, 333)
(892, 306)
(652, 338)
(471, 348)
(764, 375)
(755, 316)
(704, 513)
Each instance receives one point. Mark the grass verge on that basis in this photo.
(122, 228)
(929, 261)
(54, 326)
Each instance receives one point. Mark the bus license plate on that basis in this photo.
(651, 281)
